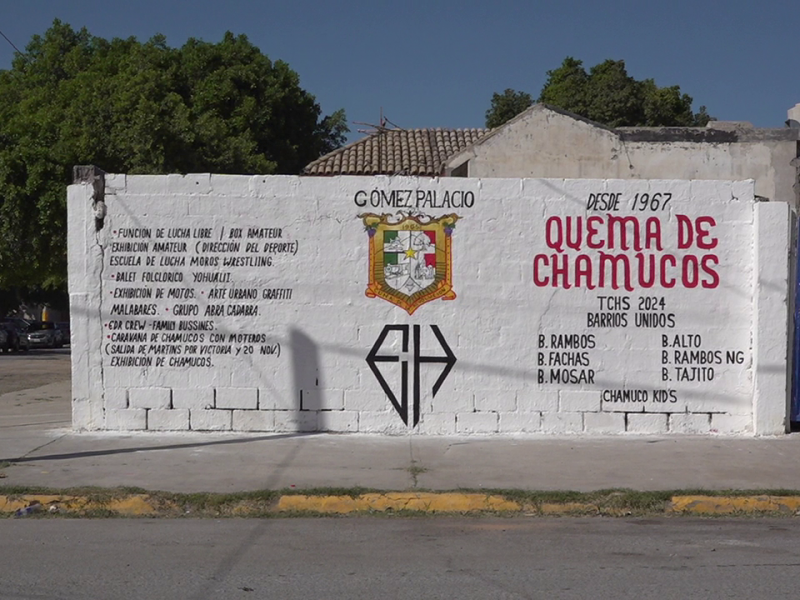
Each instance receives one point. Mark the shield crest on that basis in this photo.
(410, 260)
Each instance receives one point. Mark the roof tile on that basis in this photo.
(397, 152)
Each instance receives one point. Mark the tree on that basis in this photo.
(566, 87)
(608, 95)
(135, 107)
(612, 96)
(506, 106)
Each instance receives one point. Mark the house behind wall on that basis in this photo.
(548, 142)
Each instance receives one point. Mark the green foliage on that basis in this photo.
(133, 107)
(608, 95)
(612, 96)
(506, 106)
(566, 87)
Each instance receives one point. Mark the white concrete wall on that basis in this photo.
(533, 352)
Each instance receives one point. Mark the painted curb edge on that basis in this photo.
(144, 505)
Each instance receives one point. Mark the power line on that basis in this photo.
(10, 42)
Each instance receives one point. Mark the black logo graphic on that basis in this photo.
(373, 358)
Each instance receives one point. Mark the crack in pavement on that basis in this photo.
(27, 454)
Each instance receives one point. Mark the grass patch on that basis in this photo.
(263, 503)
(622, 502)
(414, 470)
(219, 505)
(260, 503)
(353, 492)
(116, 492)
(93, 513)
(729, 493)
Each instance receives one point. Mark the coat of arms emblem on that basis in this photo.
(410, 261)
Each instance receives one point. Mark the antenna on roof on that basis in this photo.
(380, 130)
(395, 125)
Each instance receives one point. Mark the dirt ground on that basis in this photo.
(35, 368)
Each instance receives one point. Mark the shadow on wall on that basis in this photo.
(307, 384)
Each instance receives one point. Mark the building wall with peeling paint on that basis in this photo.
(418, 306)
(546, 142)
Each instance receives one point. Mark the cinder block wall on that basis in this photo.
(433, 307)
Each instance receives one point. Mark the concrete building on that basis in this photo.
(545, 141)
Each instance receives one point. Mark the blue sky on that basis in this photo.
(436, 63)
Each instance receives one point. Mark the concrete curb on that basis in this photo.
(154, 505)
(428, 502)
(717, 505)
(130, 505)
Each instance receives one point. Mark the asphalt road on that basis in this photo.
(428, 558)
(32, 369)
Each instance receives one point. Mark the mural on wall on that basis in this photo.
(374, 359)
(410, 259)
(583, 305)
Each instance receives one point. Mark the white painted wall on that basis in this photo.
(504, 327)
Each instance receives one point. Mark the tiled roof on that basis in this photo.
(397, 152)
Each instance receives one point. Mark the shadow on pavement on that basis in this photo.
(113, 451)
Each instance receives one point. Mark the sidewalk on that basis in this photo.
(35, 438)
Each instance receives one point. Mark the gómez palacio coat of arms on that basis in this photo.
(410, 260)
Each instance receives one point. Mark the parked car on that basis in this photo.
(59, 336)
(43, 334)
(20, 324)
(16, 336)
(4, 340)
(63, 327)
